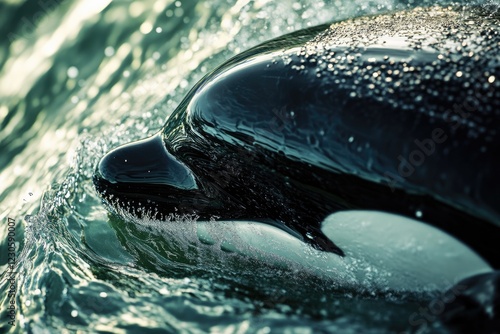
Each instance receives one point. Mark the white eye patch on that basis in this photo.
(382, 251)
(407, 253)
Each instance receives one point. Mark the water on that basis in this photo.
(78, 78)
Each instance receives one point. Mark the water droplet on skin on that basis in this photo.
(312, 140)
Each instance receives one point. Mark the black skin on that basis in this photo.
(223, 143)
(473, 305)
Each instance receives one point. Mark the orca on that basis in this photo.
(396, 114)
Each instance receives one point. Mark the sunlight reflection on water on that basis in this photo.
(81, 77)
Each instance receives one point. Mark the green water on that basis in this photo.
(78, 78)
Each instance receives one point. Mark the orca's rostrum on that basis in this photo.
(397, 113)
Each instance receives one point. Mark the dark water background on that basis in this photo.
(78, 78)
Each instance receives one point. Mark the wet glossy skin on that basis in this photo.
(331, 119)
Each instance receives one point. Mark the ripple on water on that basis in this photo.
(96, 75)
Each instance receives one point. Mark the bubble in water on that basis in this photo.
(146, 27)
(109, 51)
(72, 72)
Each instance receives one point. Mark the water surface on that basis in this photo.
(78, 78)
